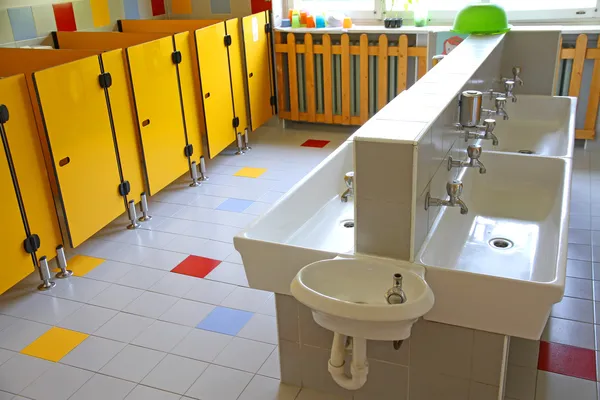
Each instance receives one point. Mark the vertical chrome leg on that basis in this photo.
(145, 213)
(45, 275)
(240, 144)
(62, 263)
(194, 172)
(203, 176)
(132, 216)
(247, 140)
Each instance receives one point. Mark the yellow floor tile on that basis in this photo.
(54, 344)
(249, 172)
(81, 265)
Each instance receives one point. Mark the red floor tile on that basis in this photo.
(315, 143)
(196, 266)
(567, 360)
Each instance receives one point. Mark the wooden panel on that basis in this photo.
(309, 62)
(103, 40)
(354, 50)
(346, 79)
(293, 77)
(382, 73)
(402, 63)
(594, 97)
(590, 54)
(578, 64)
(584, 134)
(557, 69)
(165, 25)
(281, 90)
(421, 67)
(327, 80)
(364, 78)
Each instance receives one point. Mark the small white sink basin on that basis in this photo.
(540, 125)
(509, 251)
(348, 296)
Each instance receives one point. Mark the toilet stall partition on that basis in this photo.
(235, 52)
(27, 206)
(81, 138)
(101, 40)
(164, 25)
(259, 67)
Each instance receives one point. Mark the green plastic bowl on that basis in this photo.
(481, 19)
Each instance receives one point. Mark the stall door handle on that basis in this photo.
(145, 123)
(64, 161)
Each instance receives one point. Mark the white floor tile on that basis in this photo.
(162, 336)
(163, 209)
(246, 299)
(205, 230)
(109, 271)
(141, 277)
(133, 363)
(271, 367)
(174, 284)
(116, 297)
(208, 201)
(574, 309)
(162, 259)
(235, 258)
(219, 383)
(20, 371)
(93, 353)
(187, 312)
(45, 309)
(6, 321)
(124, 327)
(77, 289)
(150, 304)
(20, 334)
(262, 328)
(202, 247)
(229, 273)
(88, 319)
(6, 396)
(208, 291)
(175, 374)
(202, 345)
(102, 387)
(552, 386)
(263, 388)
(5, 355)
(147, 393)
(258, 208)
(255, 354)
(269, 307)
(58, 383)
(572, 333)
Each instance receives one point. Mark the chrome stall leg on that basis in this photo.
(45, 275)
(145, 213)
(240, 145)
(247, 140)
(61, 260)
(194, 172)
(203, 176)
(132, 216)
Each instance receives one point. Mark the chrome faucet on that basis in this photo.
(473, 152)
(509, 87)
(485, 132)
(349, 181)
(500, 110)
(454, 190)
(516, 71)
(396, 295)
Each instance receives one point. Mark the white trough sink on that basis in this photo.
(509, 253)
(540, 125)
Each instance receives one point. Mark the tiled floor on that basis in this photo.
(164, 312)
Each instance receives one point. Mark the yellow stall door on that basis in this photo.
(158, 105)
(256, 44)
(29, 164)
(80, 139)
(216, 88)
(238, 76)
(126, 129)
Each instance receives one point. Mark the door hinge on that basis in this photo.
(188, 150)
(176, 57)
(273, 100)
(236, 122)
(227, 40)
(32, 243)
(105, 80)
(124, 188)
(268, 29)
(3, 114)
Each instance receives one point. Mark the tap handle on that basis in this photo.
(454, 188)
(349, 179)
(474, 152)
(509, 85)
(500, 103)
(517, 75)
(490, 125)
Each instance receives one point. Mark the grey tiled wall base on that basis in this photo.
(438, 361)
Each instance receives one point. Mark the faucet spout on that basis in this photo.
(464, 210)
(349, 181)
(454, 190)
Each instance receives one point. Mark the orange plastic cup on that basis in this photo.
(303, 15)
(310, 22)
(347, 22)
(290, 13)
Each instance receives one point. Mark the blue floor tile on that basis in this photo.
(225, 320)
(235, 205)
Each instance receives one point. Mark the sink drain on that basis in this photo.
(526, 152)
(348, 223)
(501, 244)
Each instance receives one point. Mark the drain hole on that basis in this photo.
(501, 244)
(348, 224)
(526, 151)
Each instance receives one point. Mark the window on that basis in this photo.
(443, 11)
